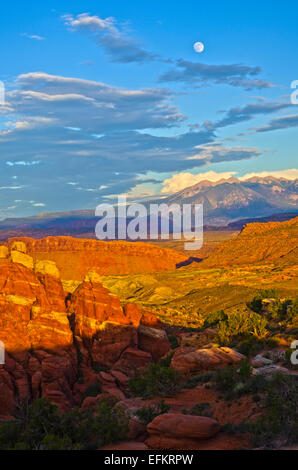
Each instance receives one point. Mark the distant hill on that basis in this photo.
(275, 242)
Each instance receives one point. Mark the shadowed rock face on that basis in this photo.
(75, 257)
(51, 338)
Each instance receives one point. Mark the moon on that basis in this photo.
(198, 47)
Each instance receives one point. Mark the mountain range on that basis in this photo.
(228, 203)
(230, 199)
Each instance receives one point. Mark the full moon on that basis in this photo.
(198, 47)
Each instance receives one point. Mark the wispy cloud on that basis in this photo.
(237, 75)
(112, 37)
(248, 112)
(23, 163)
(284, 122)
(35, 37)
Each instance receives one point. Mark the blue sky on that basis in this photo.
(105, 99)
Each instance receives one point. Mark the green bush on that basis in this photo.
(148, 413)
(256, 303)
(213, 318)
(242, 324)
(236, 382)
(173, 341)
(40, 426)
(293, 312)
(158, 380)
(194, 381)
(279, 424)
(252, 346)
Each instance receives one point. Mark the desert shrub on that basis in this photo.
(173, 341)
(111, 423)
(53, 442)
(279, 424)
(9, 434)
(148, 413)
(252, 346)
(292, 316)
(256, 303)
(43, 427)
(213, 318)
(242, 324)
(200, 409)
(236, 382)
(192, 382)
(166, 361)
(157, 380)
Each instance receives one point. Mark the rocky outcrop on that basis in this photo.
(191, 360)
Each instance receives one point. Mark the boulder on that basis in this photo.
(260, 361)
(153, 341)
(132, 360)
(176, 431)
(192, 360)
(269, 370)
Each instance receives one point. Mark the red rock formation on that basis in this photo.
(47, 344)
(75, 257)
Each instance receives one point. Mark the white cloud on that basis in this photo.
(23, 163)
(290, 174)
(184, 180)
